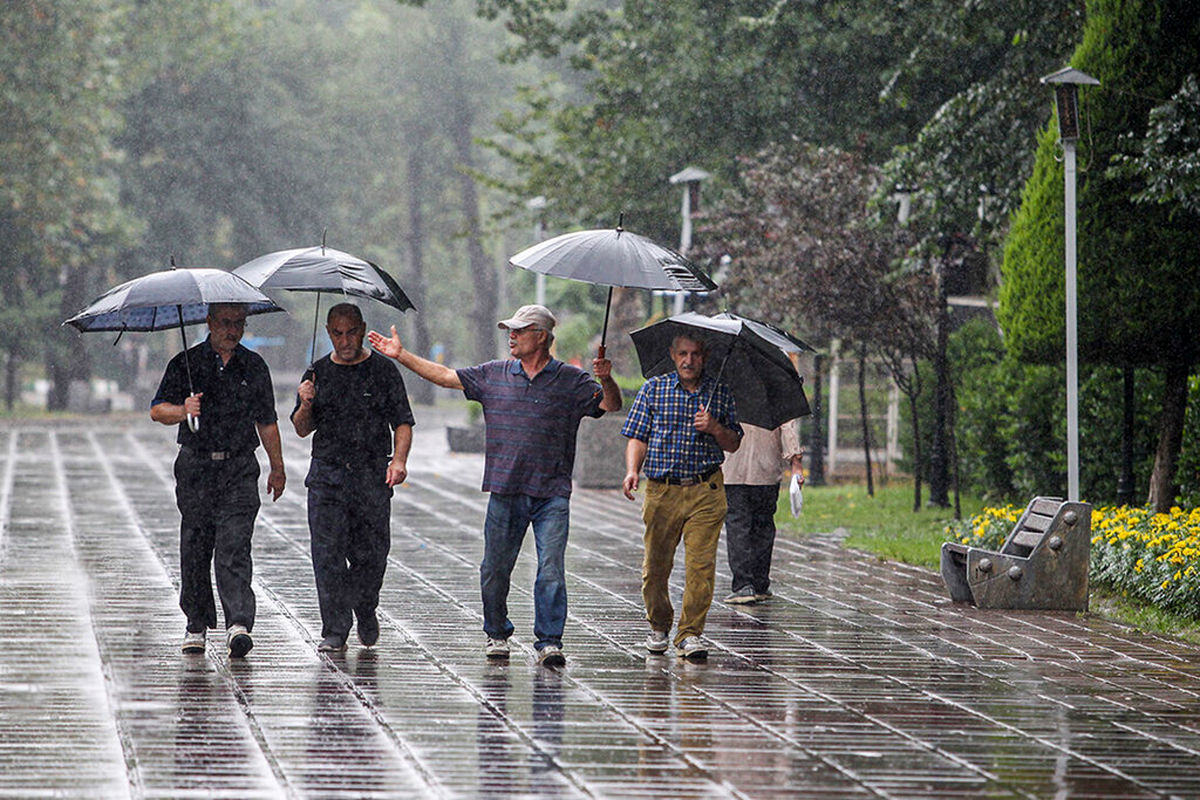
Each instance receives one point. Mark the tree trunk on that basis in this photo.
(816, 439)
(862, 412)
(419, 390)
(939, 458)
(10, 381)
(66, 361)
(916, 429)
(1125, 481)
(1170, 438)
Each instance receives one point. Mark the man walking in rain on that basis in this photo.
(679, 427)
(354, 400)
(532, 406)
(216, 473)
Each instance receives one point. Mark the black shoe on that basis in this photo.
(239, 641)
(332, 644)
(368, 628)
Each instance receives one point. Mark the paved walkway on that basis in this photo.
(858, 679)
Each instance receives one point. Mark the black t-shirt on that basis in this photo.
(356, 408)
(237, 395)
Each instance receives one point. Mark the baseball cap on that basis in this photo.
(537, 316)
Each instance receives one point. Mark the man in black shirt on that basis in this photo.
(355, 401)
(216, 472)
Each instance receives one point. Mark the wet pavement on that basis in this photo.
(857, 679)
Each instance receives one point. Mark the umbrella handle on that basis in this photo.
(193, 423)
(600, 351)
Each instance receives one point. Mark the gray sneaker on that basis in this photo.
(656, 642)
(692, 648)
(496, 648)
(332, 644)
(193, 642)
(551, 656)
(743, 596)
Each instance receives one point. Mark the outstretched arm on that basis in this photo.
(429, 370)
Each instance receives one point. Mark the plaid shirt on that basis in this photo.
(662, 416)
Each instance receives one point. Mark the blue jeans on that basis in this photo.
(508, 517)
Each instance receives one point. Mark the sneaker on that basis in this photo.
(760, 596)
(497, 648)
(692, 647)
(193, 642)
(368, 629)
(656, 642)
(742, 596)
(551, 656)
(332, 644)
(239, 641)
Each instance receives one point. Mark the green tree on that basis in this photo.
(1138, 300)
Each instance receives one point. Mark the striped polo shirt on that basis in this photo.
(531, 424)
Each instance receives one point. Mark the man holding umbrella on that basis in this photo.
(532, 405)
(216, 472)
(679, 428)
(355, 402)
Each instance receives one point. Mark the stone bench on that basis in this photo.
(1042, 565)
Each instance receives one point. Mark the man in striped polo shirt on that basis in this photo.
(532, 407)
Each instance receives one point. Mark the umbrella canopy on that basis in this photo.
(613, 257)
(168, 299)
(766, 387)
(323, 269)
(776, 336)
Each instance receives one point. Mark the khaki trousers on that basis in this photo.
(694, 514)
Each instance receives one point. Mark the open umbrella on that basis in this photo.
(171, 298)
(776, 336)
(323, 269)
(613, 257)
(766, 387)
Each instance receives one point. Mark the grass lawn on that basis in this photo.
(886, 526)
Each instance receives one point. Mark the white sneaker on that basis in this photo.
(692, 647)
(656, 642)
(239, 641)
(551, 656)
(193, 642)
(496, 648)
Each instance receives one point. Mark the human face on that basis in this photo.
(346, 336)
(688, 356)
(226, 325)
(525, 341)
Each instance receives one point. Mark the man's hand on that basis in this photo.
(307, 391)
(706, 422)
(630, 485)
(397, 473)
(601, 368)
(389, 347)
(192, 404)
(276, 480)
(797, 468)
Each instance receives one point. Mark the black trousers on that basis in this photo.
(349, 524)
(218, 502)
(750, 534)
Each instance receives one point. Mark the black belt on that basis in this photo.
(691, 480)
(216, 455)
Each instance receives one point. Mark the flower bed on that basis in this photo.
(1140, 554)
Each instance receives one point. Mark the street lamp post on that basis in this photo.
(1066, 84)
(538, 206)
(690, 177)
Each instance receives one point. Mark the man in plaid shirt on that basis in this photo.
(679, 428)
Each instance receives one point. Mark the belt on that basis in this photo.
(691, 480)
(216, 455)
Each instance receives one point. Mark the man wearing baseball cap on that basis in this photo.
(532, 407)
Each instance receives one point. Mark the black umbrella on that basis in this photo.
(171, 298)
(766, 387)
(613, 257)
(323, 269)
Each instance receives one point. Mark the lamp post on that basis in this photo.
(538, 206)
(690, 177)
(1066, 84)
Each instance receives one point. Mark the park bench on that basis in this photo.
(1042, 565)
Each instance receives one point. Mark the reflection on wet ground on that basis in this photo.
(857, 679)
